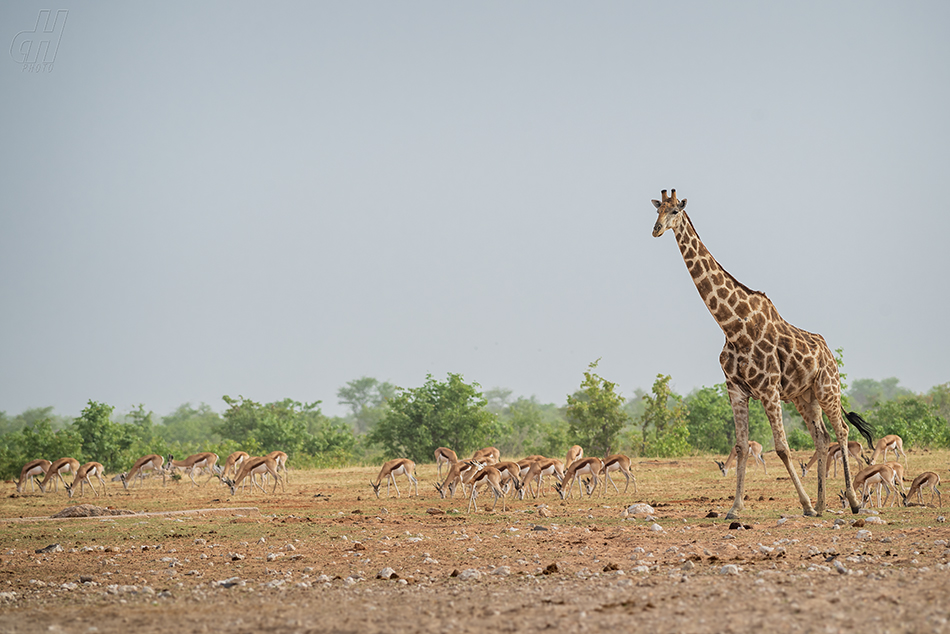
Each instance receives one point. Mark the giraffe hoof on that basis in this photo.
(855, 510)
(732, 516)
(810, 513)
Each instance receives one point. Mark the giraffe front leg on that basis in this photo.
(773, 409)
(740, 412)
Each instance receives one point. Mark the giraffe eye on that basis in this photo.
(675, 211)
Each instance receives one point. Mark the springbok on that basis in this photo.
(29, 472)
(399, 466)
(492, 477)
(576, 452)
(489, 455)
(755, 451)
(878, 474)
(445, 456)
(585, 466)
(894, 443)
(539, 468)
(621, 463)
(261, 464)
(459, 472)
(82, 477)
(855, 450)
(152, 462)
(57, 469)
(926, 479)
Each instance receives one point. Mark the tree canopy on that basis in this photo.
(448, 413)
(595, 414)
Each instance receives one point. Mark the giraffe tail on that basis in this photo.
(862, 426)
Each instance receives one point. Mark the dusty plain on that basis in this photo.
(326, 555)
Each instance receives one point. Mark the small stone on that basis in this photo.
(554, 568)
(687, 565)
(387, 573)
(470, 574)
(863, 534)
(729, 569)
(52, 548)
(640, 509)
(656, 528)
(502, 571)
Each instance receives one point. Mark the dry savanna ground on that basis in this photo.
(326, 555)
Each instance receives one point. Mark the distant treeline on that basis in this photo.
(386, 421)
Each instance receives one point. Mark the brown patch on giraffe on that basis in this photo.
(723, 313)
(704, 287)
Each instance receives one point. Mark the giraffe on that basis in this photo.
(765, 358)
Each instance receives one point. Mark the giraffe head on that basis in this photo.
(669, 212)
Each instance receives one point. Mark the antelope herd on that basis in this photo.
(527, 476)
(238, 469)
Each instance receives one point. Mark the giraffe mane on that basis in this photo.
(721, 267)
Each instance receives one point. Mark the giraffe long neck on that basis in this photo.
(727, 299)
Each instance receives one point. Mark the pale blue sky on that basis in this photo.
(272, 200)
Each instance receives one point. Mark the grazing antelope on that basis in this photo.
(492, 477)
(576, 452)
(510, 474)
(194, 464)
(151, 462)
(445, 456)
(57, 469)
(251, 466)
(29, 472)
(621, 463)
(234, 462)
(399, 466)
(894, 443)
(488, 455)
(855, 450)
(755, 451)
(925, 479)
(898, 470)
(459, 472)
(878, 474)
(82, 477)
(539, 468)
(281, 458)
(585, 466)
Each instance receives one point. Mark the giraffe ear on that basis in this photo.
(656, 203)
(682, 204)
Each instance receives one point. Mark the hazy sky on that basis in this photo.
(273, 199)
